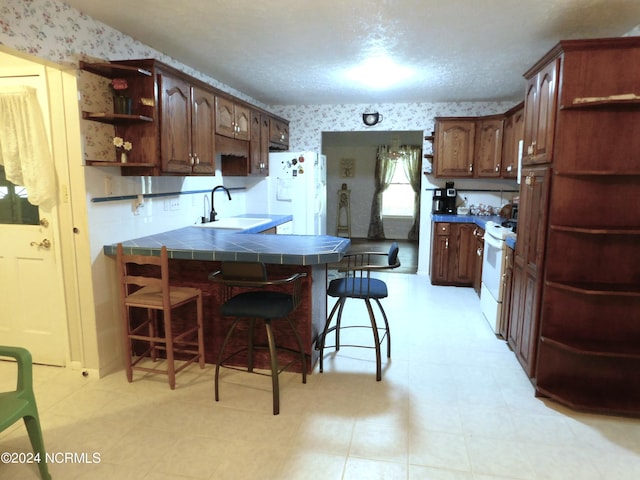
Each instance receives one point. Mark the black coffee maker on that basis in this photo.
(450, 198)
(444, 199)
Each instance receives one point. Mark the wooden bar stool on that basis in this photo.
(258, 300)
(144, 284)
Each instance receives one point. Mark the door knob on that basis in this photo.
(44, 244)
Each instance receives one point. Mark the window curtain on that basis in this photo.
(383, 175)
(24, 148)
(412, 164)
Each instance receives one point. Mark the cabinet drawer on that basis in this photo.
(443, 228)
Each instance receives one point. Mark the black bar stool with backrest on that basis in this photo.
(257, 301)
(358, 283)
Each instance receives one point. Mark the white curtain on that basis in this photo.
(24, 149)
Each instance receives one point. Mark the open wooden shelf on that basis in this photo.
(595, 348)
(110, 70)
(586, 288)
(595, 230)
(104, 163)
(113, 118)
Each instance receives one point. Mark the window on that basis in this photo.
(14, 206)
(397, 199)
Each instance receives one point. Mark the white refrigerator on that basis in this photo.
(298, 187)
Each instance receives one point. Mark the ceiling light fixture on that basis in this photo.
(394, 152)
(379, 72)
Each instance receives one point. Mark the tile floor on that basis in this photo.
(453, 404)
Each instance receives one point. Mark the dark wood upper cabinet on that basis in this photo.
(177, 120)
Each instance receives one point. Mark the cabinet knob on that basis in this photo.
(446, 243)
(479, 252)
(470, 167)
(497, 167)
(509, 168)
(197, 159)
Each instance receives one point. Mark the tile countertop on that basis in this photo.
(210, 244)
(479, 220)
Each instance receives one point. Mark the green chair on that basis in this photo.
(21, 403)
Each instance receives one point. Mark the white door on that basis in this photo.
(32, 305)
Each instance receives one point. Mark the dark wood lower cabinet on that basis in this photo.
(453, 254)
(503, 326)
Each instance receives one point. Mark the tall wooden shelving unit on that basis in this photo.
(589, 334)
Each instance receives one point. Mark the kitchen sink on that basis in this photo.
(234, 223)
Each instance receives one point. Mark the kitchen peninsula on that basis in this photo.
(196, 251)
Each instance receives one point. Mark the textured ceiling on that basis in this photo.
(289, 52)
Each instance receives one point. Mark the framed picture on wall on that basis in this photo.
(347, 167)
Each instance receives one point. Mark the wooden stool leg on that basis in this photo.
(127, 342)
(152, 318)
(200, 330)
(168, 335)
(275, 385)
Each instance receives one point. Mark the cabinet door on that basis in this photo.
(175, 124)
(533, 212)
(440, 253)
(264, 144)
(512, 135)
(514, 332)
(254, 144)
(503, 326)
(528, 342)
(279, 132)
(440, 260)
(530, 120)
(488, 148)
(527, 283)
(225, 120)
(454, 148)
(547, 101)
(202, 131)
(465, 259)
(242, 120)
(540, 115)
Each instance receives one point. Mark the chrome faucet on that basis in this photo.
(212, 215)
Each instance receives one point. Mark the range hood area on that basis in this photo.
(232, 147)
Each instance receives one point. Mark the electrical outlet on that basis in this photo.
(174, 203)
(108, 185)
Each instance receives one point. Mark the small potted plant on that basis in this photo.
(121, 102)
(122, 147)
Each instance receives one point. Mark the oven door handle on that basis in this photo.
(493, 241)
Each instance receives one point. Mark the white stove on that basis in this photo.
(496, 230)
(493, 269)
